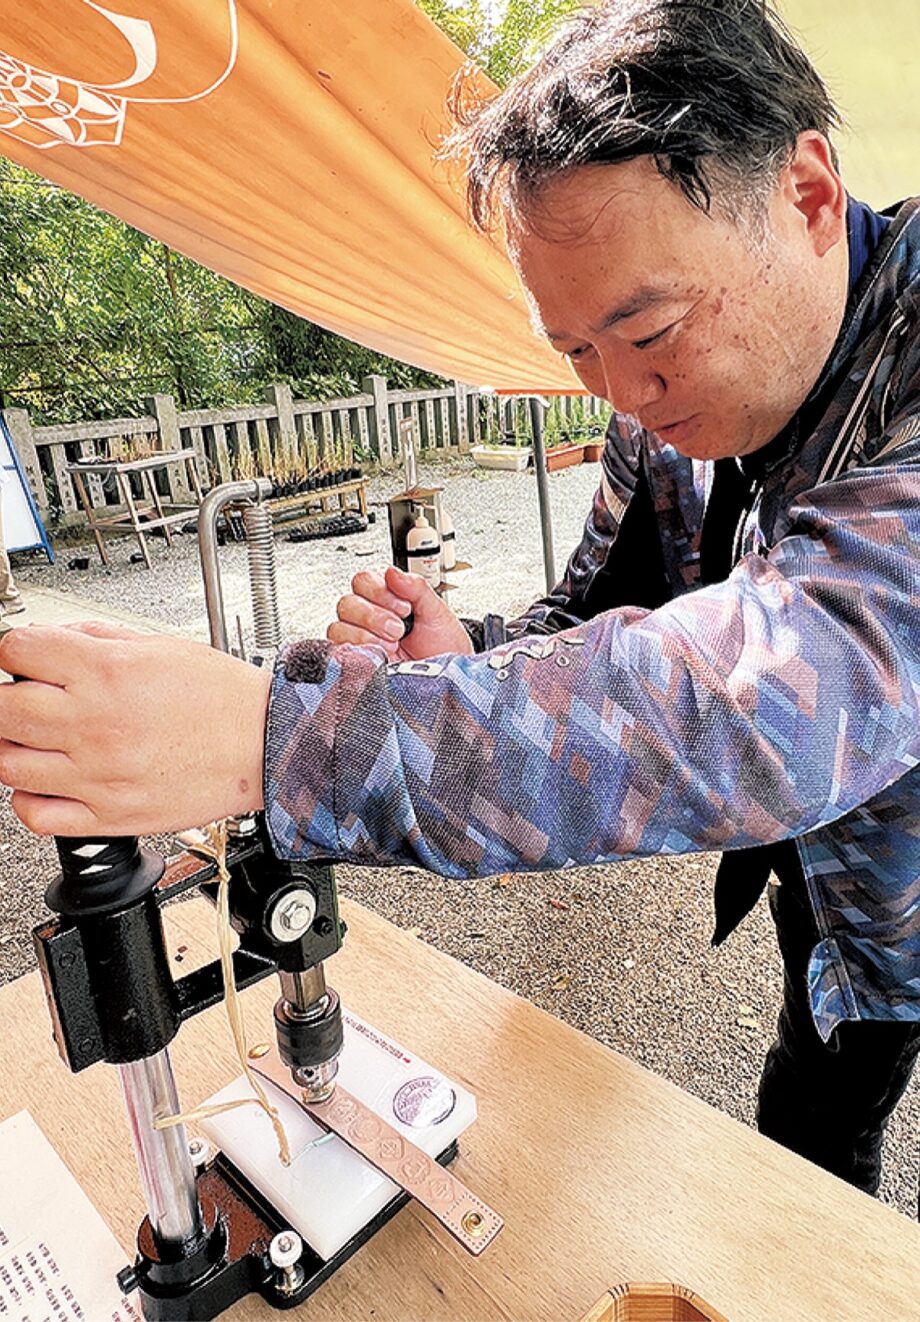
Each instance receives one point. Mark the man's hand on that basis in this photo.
(375, 612)
(119, 733)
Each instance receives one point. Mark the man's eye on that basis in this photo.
(652, 339)
(575, 355)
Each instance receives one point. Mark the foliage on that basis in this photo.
(500, 39)
(504, 420)
(569, 422)
(95, 316)
(466, 23)
(319, 364)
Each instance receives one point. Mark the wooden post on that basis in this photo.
(221, 451)
(380, 418)
(19, 426)
(471, 402)
(427, 409)
(163, 408)
(282, 401)
(460, 395)
(264, 448)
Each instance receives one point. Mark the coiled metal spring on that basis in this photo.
(263, 583)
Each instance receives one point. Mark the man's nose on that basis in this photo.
(630, 384)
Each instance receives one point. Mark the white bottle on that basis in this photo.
(423, 550)
(448, 542)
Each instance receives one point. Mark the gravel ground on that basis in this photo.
(622, 953)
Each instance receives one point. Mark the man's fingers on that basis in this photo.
(380, 624)
(42, 772)
(48, 816)
(47, 653)
(425, 603)
(34, 714)
(340, 632)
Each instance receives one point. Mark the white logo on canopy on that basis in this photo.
(49, 110)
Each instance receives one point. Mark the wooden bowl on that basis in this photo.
(656, 1302)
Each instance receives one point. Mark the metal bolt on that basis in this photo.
(200, 1151)
(284, 1251)
(292, 915)
(295, 917)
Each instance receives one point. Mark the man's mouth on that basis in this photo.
(675, 431)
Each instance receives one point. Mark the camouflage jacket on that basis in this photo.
(781, 703)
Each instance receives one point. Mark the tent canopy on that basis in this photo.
(289, 147)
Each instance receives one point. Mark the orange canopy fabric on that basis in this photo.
(286, 144)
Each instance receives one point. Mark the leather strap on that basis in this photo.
(469, 1220)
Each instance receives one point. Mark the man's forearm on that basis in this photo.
(736, 715)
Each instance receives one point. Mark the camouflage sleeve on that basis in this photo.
(574, 600)
(739, 714)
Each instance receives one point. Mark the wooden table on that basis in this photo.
(141, 516)
(603, 1172)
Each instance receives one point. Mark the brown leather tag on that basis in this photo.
(471, 1221)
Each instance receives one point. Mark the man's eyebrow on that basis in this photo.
(646, 297)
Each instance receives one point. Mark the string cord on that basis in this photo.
(215, 846)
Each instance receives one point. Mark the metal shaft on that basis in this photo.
(216, 500)
(302, 990)
(539, 460)
(163, 1159)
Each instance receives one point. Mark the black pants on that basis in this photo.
(830, 1103)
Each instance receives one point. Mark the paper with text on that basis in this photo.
(58, 1258)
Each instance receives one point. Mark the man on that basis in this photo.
(672, 202)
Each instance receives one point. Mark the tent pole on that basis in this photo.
(539, 458)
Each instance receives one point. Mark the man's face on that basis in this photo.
(681, 319)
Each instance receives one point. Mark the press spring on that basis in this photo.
(257, 520)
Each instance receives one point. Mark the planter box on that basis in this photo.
(564, 456)
(652, 1303)
(513, 458)
(593, 451)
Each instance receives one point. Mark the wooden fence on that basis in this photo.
(282, 436)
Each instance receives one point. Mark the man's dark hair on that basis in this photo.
(716, 92)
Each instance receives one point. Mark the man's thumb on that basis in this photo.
(413, 588)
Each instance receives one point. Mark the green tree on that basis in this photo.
(320, 364)
(94, 316)
(499, 38)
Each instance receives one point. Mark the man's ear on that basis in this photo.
(812, 185)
